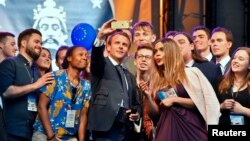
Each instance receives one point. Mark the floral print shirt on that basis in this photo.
(63, 99)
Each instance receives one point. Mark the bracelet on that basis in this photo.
(51, 137)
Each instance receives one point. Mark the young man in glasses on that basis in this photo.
(143, 33)
(143, 63)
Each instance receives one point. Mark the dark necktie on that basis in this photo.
(124, 85)
(219, 66)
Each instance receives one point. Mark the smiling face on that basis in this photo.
(201, 40)
(79, 58)
(44, 60)
(8, 46)
(118, 47)
(240, 62)
(33, 46)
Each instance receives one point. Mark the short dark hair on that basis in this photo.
(170, 33)
(187, 35)
(3, 36)
(24, 35)
(118, 32)
(228, 33)
(142, 24)
(203, 28)
(65, 63)
(144, 46)
(60, 49)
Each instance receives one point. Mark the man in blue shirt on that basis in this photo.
(18, 85)
(7, 49)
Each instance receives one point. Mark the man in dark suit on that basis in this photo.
(201, 39)
(192, 59)
(211, 71)
(110, 117)
(221, 44)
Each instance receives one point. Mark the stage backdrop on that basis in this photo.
(57, 18)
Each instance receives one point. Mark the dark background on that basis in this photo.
(183, 15)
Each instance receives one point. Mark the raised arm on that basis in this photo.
(148, 97)
(16, 91)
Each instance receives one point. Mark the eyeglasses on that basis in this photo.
(147, 57)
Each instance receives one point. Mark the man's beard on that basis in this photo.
(32, 54)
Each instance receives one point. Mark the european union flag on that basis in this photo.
(54, 18)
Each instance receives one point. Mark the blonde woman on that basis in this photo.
(183, 97)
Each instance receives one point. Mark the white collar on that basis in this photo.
(114, 62)
(209, 56)
(224, 61)
(190, 63)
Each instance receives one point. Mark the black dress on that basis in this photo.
(243, 97)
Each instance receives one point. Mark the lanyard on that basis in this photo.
(234, 94)
(31, 76)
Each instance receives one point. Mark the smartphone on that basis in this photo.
(133, 111)
(162, 94)
(121, 25)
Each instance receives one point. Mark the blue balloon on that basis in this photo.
(83, 34)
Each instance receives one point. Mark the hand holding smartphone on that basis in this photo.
(133, 111)
(162, 94)
(121, 24)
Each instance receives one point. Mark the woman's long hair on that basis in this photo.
(50, 67)
(172, 72)
(228, 80)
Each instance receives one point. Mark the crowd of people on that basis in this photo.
(130, 87)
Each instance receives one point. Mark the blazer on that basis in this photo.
(107, 92)
(211, 71)
(203, 95)
(227, 65)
